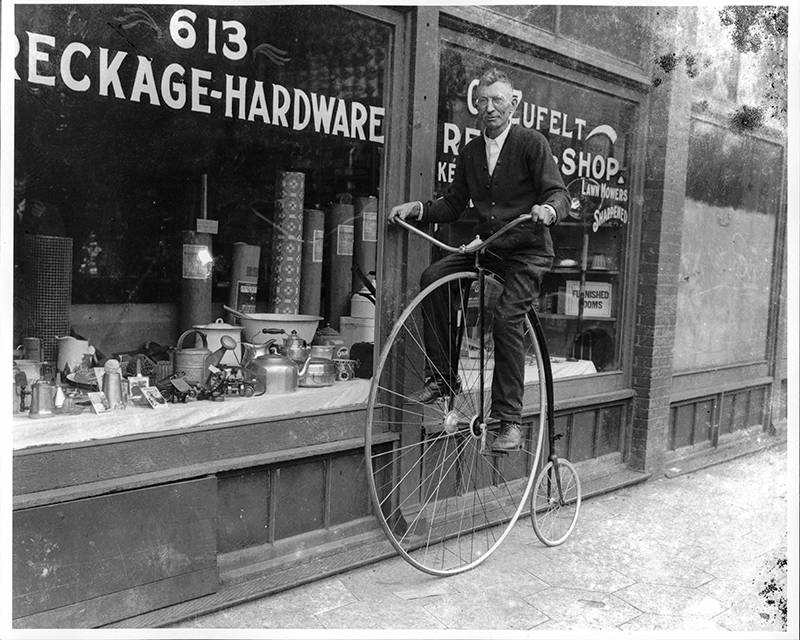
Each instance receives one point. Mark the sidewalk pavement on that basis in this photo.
(702, 552)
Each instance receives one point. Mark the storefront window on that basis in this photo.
(727, 248)
(590, 134)
(144, 128)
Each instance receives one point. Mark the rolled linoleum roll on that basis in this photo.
(338, 281)
(365, 237)
(287, 243)
(311, 269)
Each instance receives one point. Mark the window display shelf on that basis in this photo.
(577, 271)
(564, 316)
(136, 419)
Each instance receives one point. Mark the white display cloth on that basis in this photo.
(86, 426)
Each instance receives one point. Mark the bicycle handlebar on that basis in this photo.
(473, 247)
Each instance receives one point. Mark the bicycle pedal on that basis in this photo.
(499, 452)
(492, 452)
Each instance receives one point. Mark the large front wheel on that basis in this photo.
(444, 499)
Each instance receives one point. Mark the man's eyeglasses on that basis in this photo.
(497, 101)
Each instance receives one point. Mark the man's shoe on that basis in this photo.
(509, 438)
(434, 389)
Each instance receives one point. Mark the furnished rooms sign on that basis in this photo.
(596, 299)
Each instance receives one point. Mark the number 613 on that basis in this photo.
(184, 34)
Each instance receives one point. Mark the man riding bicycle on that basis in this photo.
(507, 172)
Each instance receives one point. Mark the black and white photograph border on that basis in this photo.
(252, 518)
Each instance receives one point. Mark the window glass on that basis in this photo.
(620, 31)
(138, 127)
(727, 248)
(538, 15)
(590, 134)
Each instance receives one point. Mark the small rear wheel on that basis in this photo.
(555, 502)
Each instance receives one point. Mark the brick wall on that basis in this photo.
(667, 135)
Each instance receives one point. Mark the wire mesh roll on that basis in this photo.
(48, 290)
(365, 237)
(311, 270)
(287, 244)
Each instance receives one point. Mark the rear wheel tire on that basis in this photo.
(555, 514)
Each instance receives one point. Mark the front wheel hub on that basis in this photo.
(477, 427)
(451, 423)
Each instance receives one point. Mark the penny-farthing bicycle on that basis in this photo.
(445, 500)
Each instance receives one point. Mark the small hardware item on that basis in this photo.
(345, 369)
(21, 391)
(58, 395)
(112, 384)
(176, 388)
(230, 381)
(362, 353)
(41, 400)
(137, 381)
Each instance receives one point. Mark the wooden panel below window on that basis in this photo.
(87, 549)
(299, 498)
(682, 425)
(609, 426)
(349, 499)
(243, 515)
(582, 436)
(703, 420)
(756, 408)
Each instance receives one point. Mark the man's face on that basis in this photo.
(496, 104)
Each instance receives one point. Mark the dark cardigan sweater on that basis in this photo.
(525, 175)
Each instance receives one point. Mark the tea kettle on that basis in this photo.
(276, 373)
(330, 337)
(317, 372)
(295, 347)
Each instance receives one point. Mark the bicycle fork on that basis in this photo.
(552, 436)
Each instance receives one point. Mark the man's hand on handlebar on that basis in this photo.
(409, 211)
(543, 213)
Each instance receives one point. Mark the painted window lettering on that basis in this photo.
(168, 84)
(599, 173)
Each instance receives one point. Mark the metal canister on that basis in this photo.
(32, 349)
(41, 400)
(112, 385)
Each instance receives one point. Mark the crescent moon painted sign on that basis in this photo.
(603, 128)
